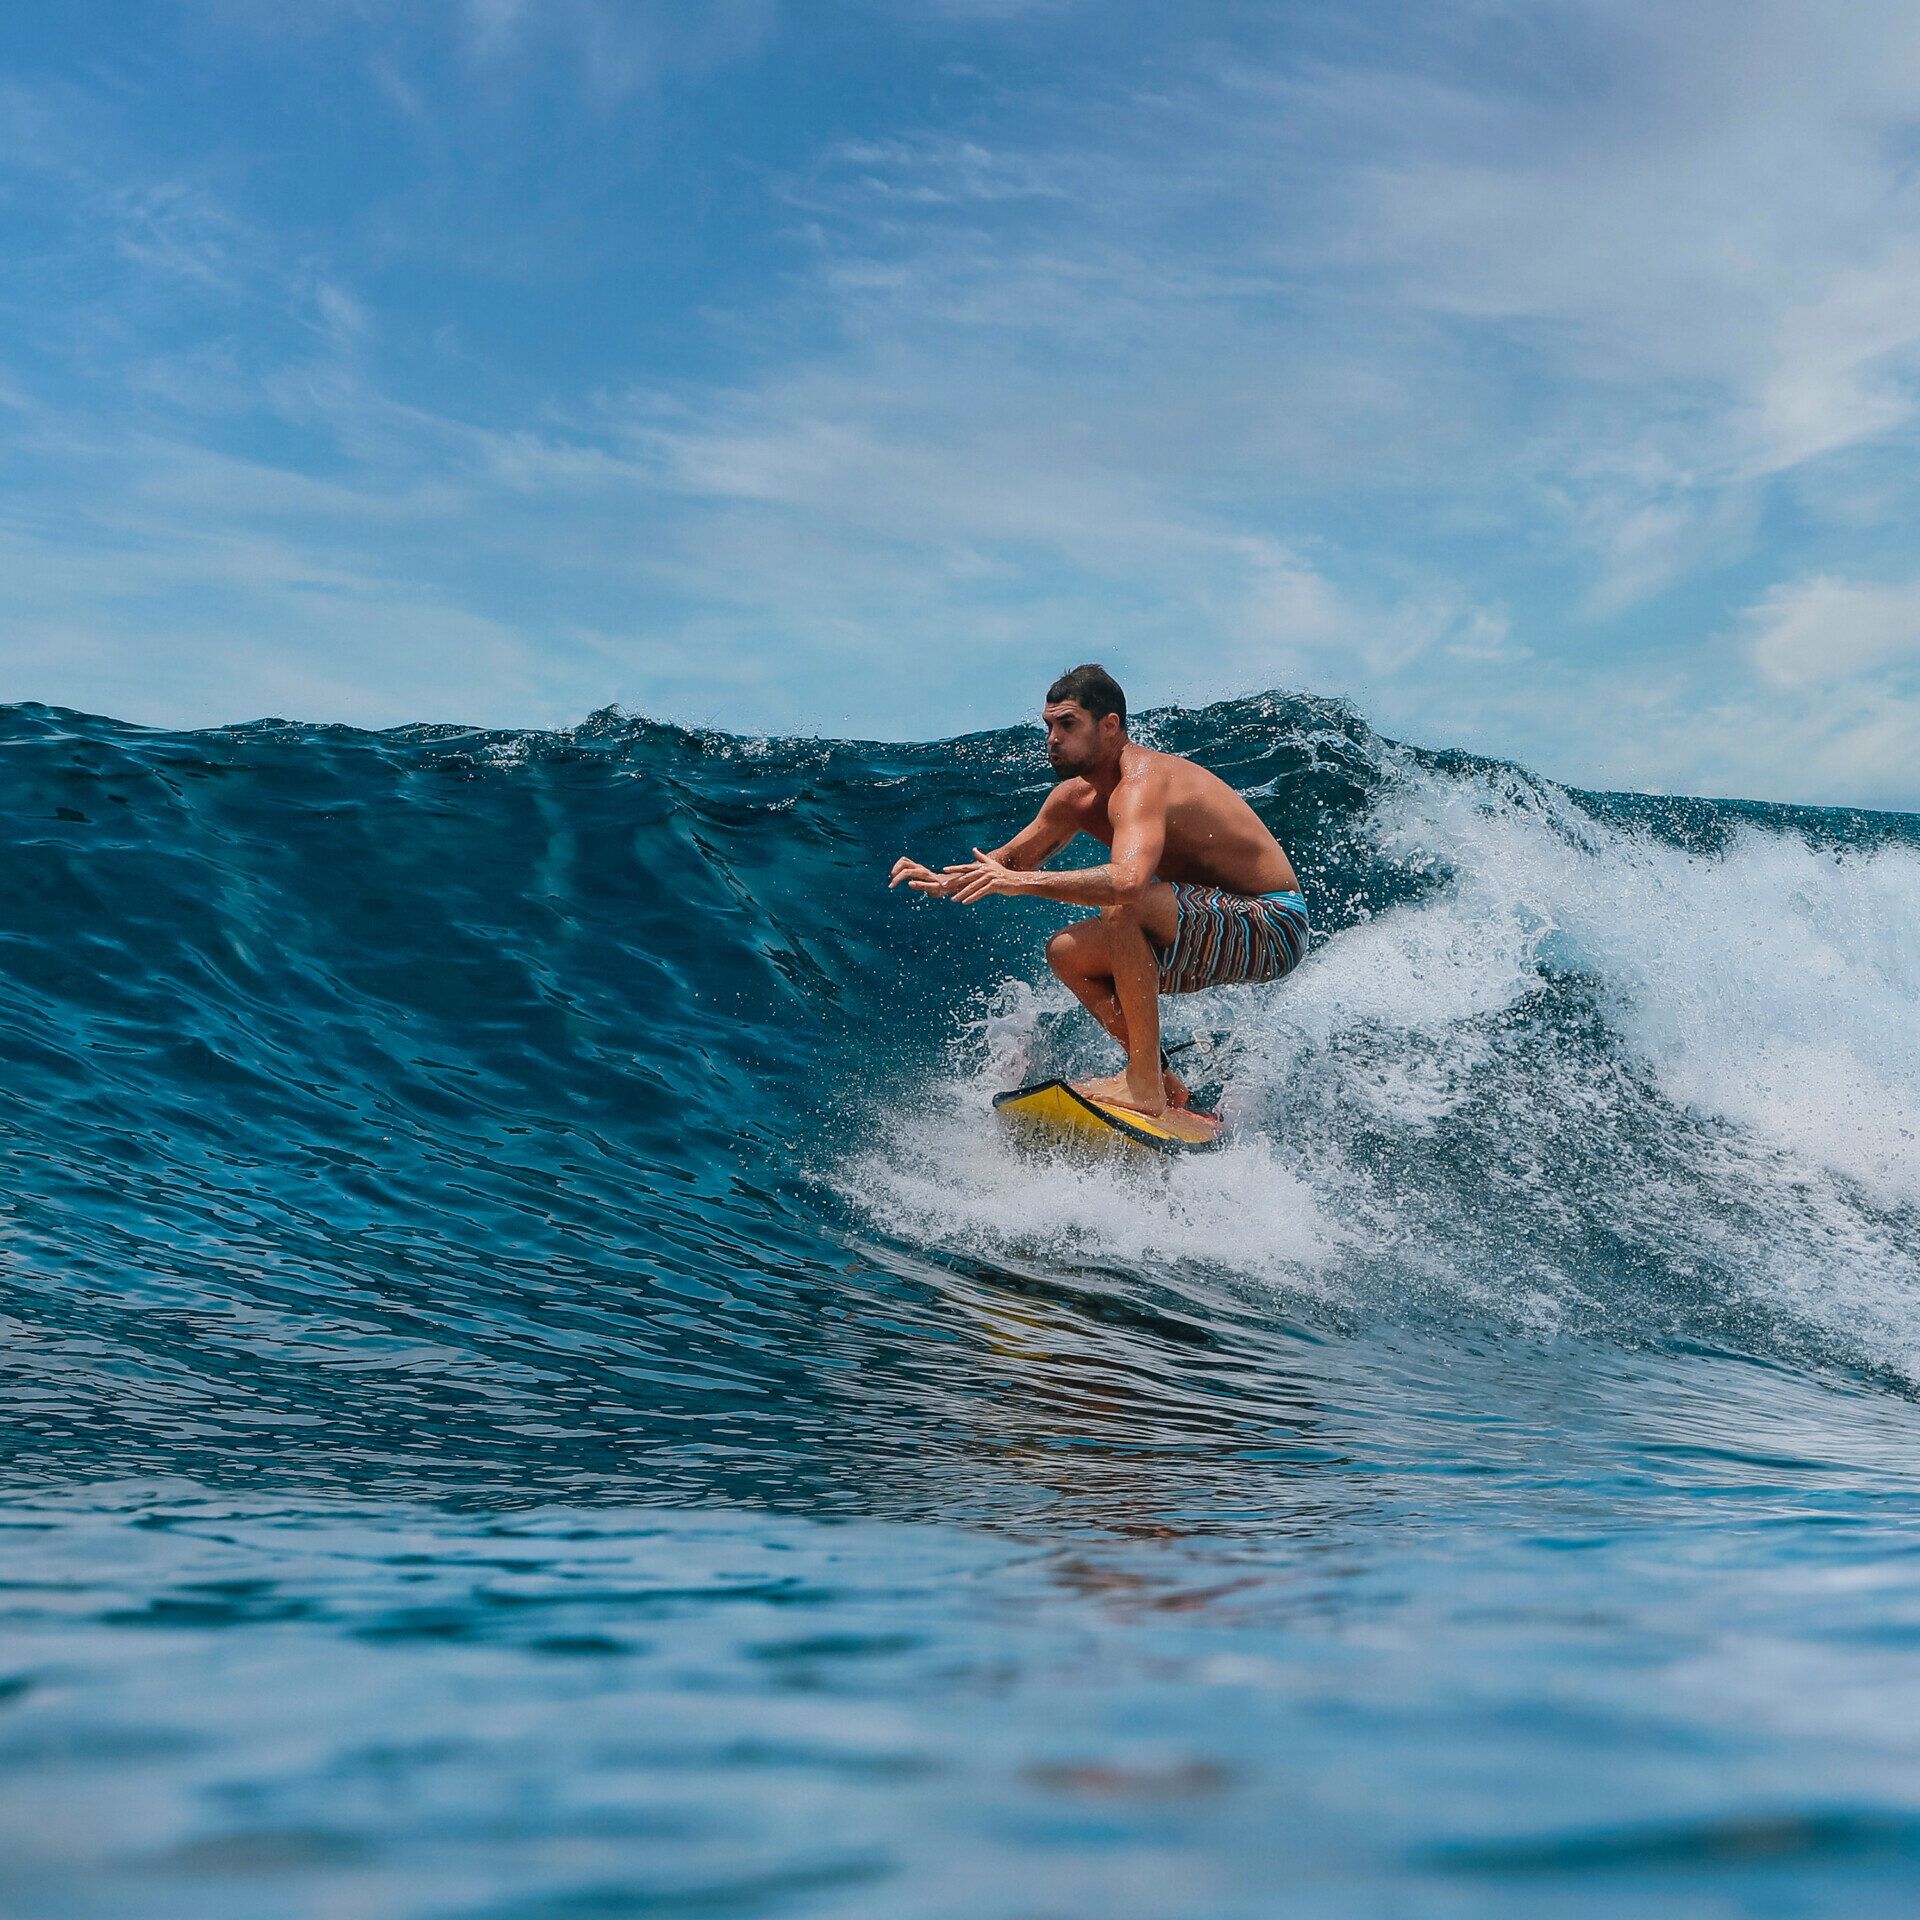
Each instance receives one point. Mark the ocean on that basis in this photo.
(537, 1390)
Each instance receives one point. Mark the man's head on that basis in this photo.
(1086, 720)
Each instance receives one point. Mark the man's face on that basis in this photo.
(1073, 737)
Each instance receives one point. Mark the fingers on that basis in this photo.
(966, 883)
(981, 876)
(922, 879)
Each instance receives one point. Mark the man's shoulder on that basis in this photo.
(1070, 795)
(1148, 768)
(1176, 773)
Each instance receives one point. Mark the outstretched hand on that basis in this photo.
(967, 883)
(982, 875)
(920, 879)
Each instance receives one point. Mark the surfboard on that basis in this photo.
(1055, 1109)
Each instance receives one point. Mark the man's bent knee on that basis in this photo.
(1068, 950)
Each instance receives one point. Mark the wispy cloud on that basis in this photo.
(1705, 252)
(1841, 661)
(1543, 380)
(1816, 632)
(621, 48)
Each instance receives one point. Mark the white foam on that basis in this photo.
(948, 1178)
(1773, 986)
(1761, 1055)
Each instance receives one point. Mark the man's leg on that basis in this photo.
(1111, 968)
(1078, 957)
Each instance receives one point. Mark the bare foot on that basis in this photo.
(1180, 1095)
(1115, 1091)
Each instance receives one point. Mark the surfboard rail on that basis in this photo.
(1061, 1108)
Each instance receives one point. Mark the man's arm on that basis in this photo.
(1033, 846)
(1138, 811)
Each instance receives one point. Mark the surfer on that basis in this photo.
(1196, 892)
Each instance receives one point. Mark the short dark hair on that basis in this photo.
(1093, 688)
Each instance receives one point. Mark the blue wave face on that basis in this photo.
(535, 1386)
(380, 1092)
(391, 1107)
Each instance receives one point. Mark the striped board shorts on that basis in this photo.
(1232, 939)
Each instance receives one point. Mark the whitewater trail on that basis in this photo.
(1586, 1071)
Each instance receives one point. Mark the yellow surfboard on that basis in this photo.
(1054, 1108)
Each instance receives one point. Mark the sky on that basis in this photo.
(1542, 379)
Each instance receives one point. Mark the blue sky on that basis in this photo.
(1542, 378)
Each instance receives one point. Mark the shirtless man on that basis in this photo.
(1197, 892)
